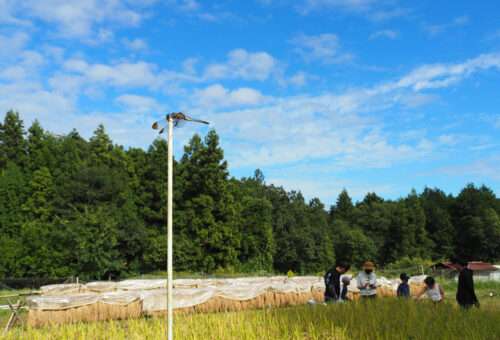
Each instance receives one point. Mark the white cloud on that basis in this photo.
(34, 102)
(16, 61)
(188, 5)
(444, 75)
(389, 34)
(54, 53)
(497, 122)
(189, 66)
(434, 30)
(323, 47)
(138, 74)
(335, 126)
(243, 64)
(350, 5)
(135, 44)
(139, 104)
(102, 36)
(312, 128)
(10, 45)
(209, 12)
(298, 79)
(415, 99)
(59, 113)
(341, 129)
(448, 139)
(218, 96)
(387, 13)
(483, 168)
(74, 19)
(372, 9)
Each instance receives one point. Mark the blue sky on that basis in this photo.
(367, 95)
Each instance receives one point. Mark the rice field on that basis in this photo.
(383, 319)
(387, 318)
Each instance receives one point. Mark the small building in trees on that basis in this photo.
(482, 270)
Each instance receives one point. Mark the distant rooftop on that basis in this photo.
(473, 265)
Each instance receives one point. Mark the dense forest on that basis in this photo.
(70, 206)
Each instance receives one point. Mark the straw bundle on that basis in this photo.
(318, 295)
(109, 311)
(39, 317)
(416, 288)
(385, 291)
(353, 296)
(267, 299)
(93, 312)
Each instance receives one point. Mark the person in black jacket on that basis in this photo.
(332, 281)
(466, 296)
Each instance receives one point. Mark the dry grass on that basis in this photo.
(89, 313)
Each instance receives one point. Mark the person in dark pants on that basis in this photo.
(466, 296)
(404, 288)
(332, 281)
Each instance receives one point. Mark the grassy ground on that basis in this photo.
(383, 319)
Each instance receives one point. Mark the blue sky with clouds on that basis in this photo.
(367, 95)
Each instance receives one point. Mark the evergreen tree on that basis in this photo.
(438, 222)
(344, 207)
(324, 245)
(12, 143)
(475, 222)
(352, 245)
(420, 244)
(374, 217)
(38, 258)
(257, 242)
(208, 205)
(13, 192)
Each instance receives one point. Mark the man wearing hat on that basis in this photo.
(367, 281)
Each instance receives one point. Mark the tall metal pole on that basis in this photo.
(170, 301)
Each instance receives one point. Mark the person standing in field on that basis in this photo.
(432, 290)
(367, 281)
(403, 288)
(332, 281)
(466, 296)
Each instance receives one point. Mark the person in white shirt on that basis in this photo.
(433, 291)
(367, 281)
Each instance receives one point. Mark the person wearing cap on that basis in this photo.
(332, 282)
(403, 288)
(367, 281)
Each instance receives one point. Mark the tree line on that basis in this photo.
(91, 208)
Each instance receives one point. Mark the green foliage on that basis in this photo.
(410, 265)
(13, 146)
(352, 245)
(71, 206)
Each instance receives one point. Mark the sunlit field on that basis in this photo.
(383, 319)
(387, 318)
